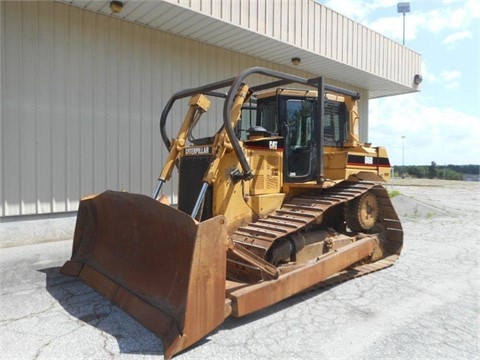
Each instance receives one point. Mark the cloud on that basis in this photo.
(450, 75)
(443, 135)
(455, 15)
(428, 76)
(450, 40)
(392, 26)
(473, 7)
(452, 15)
(358, 10)
(447, 78)
(453, 85)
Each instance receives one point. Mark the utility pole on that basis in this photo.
(403, 156)
(403, 7)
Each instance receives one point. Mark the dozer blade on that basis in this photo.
(155, 262)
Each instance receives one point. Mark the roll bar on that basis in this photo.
(205, 89)
(234, 84)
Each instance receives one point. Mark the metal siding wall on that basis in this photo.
(11, 194)
(82, 110)
(2, 71)
(292, 21)
(82, 95)
(363, 112)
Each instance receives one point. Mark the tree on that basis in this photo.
(432, 170)
(452, 175)
(417, 171)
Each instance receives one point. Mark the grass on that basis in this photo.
(393, 193)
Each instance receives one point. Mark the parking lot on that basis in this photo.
(426, 306)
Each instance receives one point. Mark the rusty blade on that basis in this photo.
(153, 261)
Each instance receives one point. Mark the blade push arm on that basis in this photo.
(222, 141)
(220, 146)
(199, 104)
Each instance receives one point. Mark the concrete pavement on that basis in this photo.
(424, 307)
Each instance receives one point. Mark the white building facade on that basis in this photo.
(82, 89)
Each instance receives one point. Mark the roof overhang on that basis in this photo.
(191, 23)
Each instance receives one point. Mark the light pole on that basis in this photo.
(403, 157)
(403, 7)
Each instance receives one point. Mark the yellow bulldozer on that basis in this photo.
(282, 197)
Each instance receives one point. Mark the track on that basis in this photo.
(311, 208)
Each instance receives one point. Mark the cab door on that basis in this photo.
(300, 144)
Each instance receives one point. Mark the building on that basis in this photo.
(82, 88)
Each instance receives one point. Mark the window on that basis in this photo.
(300, 123)
(335, 123)
(300, 137)
(267, 116)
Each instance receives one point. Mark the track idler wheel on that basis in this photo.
(362, 212)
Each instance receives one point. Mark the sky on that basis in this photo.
(441, 123)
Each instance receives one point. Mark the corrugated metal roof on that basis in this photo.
(277, 32)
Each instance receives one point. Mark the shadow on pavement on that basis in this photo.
(85, 304)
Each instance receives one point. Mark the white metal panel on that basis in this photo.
(363, 112)
(43, 138)
(276, 10)
(28, 124)
(73, 137)
(2, 70)
(101, 98)
(59, 109)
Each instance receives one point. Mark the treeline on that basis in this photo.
(434, 171)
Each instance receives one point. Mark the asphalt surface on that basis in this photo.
(426, 306)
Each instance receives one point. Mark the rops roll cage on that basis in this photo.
(234, 84)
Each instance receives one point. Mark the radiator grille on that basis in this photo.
(191, 172)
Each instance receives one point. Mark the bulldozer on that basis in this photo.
(281, 198)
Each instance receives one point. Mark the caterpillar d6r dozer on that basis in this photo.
(281, 198)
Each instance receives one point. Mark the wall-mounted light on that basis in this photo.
(417, 79)
(296, 61)
(116, 6)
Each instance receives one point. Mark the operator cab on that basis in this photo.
(291, 115)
